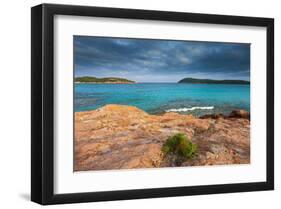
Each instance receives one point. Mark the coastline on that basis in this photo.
(77, 82)
(122, 137)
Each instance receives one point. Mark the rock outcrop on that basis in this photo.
(124, 137)
(239, 114)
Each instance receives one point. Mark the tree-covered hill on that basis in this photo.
(90, 79)
(210, 81)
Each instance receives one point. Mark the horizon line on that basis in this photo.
(162, 81)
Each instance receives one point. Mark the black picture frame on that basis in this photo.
(42, 103)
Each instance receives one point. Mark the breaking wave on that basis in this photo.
(185, 109)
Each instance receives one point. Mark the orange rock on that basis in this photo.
(124, 137)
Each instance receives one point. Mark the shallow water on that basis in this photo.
(156, 98)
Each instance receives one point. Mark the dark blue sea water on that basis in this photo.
(156, 98)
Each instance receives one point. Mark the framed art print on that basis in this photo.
(131, 104)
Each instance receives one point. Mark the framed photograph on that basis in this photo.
(130, 104)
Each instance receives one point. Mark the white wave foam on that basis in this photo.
(185, 109)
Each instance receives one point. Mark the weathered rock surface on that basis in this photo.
(123, 137)
(239, 114)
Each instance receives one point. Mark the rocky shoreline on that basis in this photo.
(124, 137)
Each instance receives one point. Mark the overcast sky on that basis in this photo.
(145, 60)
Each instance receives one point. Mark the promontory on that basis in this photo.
(211, 81)
(90, 79)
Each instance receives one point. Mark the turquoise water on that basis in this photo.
(156, 98)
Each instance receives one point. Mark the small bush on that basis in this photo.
(180, 145)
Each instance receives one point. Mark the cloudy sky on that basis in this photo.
(145, 60)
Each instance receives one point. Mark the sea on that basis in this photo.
(158, 98)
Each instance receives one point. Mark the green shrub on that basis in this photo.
(180, 145)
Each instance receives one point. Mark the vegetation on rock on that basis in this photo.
(180, 146)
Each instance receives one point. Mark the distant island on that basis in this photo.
(210, 81)
(90, 79)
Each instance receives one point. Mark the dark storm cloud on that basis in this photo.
(147, 60)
